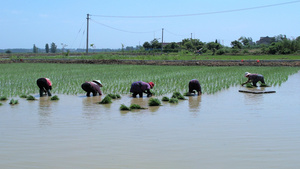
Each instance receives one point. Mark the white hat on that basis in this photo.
(247, 73)
(98, 81)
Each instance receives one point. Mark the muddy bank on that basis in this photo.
(293, 63)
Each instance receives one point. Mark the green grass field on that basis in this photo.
(159, 56)
(20, 78)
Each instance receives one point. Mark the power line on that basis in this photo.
(174, 33)
(121, 29)
(205, 13)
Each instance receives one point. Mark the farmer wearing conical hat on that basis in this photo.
(254, 78)
(194, 85)
(140, 87)
(92, 87)
(45, 86)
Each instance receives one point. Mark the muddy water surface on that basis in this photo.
(226, 130)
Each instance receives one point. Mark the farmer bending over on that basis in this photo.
(254, 78)
(45, 86)
(92, 87)
(194, 85)
(141, 87)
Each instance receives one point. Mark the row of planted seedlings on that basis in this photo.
(19, 78)
(27, 97)
(156, 102)
(152, 101)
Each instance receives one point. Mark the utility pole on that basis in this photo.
(87, 34)
(162, 39)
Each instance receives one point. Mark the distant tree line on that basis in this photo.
(244, 45)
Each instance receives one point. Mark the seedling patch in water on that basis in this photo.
(55, 97)
(123, 107)
(106, 100)
(173, 100)
(13, 102)
(3, 98)
(30, 97)
(114, 96)
(165, 99)
(23, 96)
(154, 102)
(178, 95)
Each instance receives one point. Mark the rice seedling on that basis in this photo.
(30, 97)
(55, 97)
(136, 106)
(13, 102)
(166, 78)
(1, 104)
(23, 96)
(3, 98)
(165, 99)
(173, 100)
(106, 100)
(248, 85)
(178, 95)
(264, 85)
(114, 96)
(154, 102)
(123, 107)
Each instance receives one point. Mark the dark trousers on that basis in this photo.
(89, 89)
(44, 87)
(134, 94)
(258, 79)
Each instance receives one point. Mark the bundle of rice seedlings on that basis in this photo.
(30, 97)
(178, 95)
(248, 85)
(3, 98)
(136, 106)
(264, 85)
(114, 96)
(55, 97)
(13, 102)
(154, 102)
(106, 100)
(165, 99)
(0, 104)
(23, 96)
(123, 107)
(173, 100)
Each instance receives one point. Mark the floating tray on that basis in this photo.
(256, 92)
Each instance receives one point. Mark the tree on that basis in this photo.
(172, 47)
(53, 47)
(147, 45)
(155, 44)
(246, 41)
(8, 51)
(236, 44)
(35, 49)
(189, 45)
(47, 48)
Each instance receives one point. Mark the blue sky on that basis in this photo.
(25, 23)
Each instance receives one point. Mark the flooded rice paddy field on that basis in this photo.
(228, 130)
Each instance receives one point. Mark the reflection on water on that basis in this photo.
(226, 130)
(45, 110)
(194, 103)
